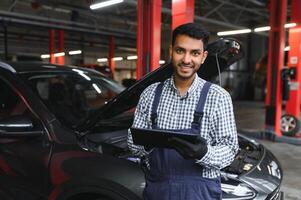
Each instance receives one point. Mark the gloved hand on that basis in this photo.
(189, 150)
(148, 147)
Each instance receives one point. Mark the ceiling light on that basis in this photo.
(59, 54)
(287, 48)
(117, 58)
(102, 60)
(132, 57)
(264, 28)
(290, 25)
(104, 4)
(234, 32)
(75, 52)
(45, 56)
(267, 28)
(161, 62)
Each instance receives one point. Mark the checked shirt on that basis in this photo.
(176, 112)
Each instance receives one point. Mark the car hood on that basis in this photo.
(226, 51)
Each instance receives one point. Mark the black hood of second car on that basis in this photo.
(226, 51)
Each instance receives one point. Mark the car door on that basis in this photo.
(24, 147)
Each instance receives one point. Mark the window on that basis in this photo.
(10, 103)
(73, 96)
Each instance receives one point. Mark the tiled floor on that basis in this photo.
(250, 116)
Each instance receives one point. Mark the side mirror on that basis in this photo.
(18, 126)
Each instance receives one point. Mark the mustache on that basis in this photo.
(185, 64)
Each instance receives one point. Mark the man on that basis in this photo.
(188, 104)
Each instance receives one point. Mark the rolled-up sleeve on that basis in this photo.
(224, 145)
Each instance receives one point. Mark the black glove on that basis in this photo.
(189, 150)
(148, 147)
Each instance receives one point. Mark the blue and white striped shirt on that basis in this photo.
(176, 112)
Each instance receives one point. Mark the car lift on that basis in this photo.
(291, 120)
(275, 91)
(51, 46)
(149, 37)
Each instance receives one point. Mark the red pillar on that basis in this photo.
(51, 46)
(148, 36)
(294, 57)
(182, 12)
(111, 54)
(61, 59)
(275, 64)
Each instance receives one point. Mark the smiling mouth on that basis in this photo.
(186, 66)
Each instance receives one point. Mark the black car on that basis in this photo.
(63, 132)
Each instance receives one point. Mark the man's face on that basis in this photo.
(187, 55)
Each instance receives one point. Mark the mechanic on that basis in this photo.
(188, 104)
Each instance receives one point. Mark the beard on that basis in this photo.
(184, 71)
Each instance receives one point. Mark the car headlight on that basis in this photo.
(237, 191)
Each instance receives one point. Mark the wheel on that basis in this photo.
(290, 125)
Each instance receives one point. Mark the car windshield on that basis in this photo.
(73, 96)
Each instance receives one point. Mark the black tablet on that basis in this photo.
(158, 137)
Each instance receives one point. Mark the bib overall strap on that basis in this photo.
(155, 105)
(199, 111)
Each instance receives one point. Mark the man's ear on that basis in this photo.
(205, 54)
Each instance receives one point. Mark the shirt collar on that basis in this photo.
(195, 84)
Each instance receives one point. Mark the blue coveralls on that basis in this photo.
(171, 177)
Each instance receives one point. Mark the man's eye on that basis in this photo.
(196, 53)
(179, 51)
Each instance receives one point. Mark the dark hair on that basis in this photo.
(192, 30)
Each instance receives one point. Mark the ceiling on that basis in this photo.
(28, 21)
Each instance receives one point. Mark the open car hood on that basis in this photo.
(226, 51)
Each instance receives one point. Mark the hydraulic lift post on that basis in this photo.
(273, 99)
(294, 61)
(182, 12)
(61, 38)
(111, 55)
(51, 46)
(148, 36)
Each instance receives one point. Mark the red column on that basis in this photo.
(139, 39)
(51, 46)
(182, 12)
(148, 36)
(275, 64)
(61, 59)
(294, 57)
(155, 34)
(111, 54)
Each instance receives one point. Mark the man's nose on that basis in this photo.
(187, 58)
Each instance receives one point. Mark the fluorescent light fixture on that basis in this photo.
(234, 32)
(45, 56)
(117, 58)
(132, 57)
(75, 52)
(59, 54)
(267, 28)
(287, 48)
(104, 4)
(161, 62)
(102, 60)
(290, 25)
(264, 28)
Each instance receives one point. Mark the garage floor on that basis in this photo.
(250, 116)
